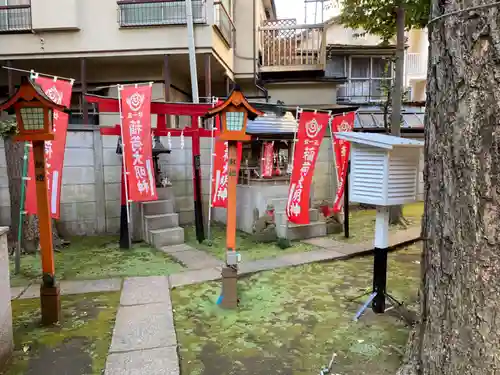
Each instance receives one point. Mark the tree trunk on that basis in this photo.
(460, 293)
(396, 212)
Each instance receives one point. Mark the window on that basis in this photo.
(134, 13)
(369, 78)
(15, 15)
(336, 66)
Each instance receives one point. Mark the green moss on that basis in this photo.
(96, 258)
(249, 249)
(290, 321)
(362, 223)
(79, 344)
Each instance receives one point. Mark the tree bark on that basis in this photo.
(396, 212)
(460, 292)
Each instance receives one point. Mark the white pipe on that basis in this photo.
(192, 51)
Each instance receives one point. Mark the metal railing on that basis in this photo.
(416, 65)
(141, 13)
(292, 47)
(363, 91)
(15, 18)
(224, 23)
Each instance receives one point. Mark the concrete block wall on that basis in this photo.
(6, 340)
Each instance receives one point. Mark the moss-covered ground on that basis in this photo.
(362, 223)
(249, 249)
(290, 321)
(77, 346)
(99, 257)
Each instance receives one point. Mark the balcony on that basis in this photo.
(416, 65)
(144, 13)
(224, 23)
(288, 47)
(15, 18)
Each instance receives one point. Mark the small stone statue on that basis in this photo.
(264, 227)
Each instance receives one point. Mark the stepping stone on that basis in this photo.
(160, 361)
(143, 327)
(323, 242)
(16, 291)
(195, 277)
(77, 287)
(191, 258)
(144, 290)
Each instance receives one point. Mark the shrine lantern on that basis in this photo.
(34, 112)
(234, 114)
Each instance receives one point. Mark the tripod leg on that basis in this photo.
(368, 292)
(365, 306)
(392, 299)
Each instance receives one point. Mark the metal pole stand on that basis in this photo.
(378, 294)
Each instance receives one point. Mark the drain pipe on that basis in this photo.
(192, 51)
(263, 89)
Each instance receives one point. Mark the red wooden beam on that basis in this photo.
(188, 132)
(176, 109)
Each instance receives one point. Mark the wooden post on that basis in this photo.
(208, 76)
(198, 199)
(230, 271)
(167, 82)
(83, 79)
(49, 291)
(10, 78)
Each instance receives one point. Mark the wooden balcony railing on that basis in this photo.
(224, 23)
(15, 18)
(143, 13)
(286, 46)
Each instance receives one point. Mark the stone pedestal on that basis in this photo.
(6, 340)
(229, 288)
(50, 302)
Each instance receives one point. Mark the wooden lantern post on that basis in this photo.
(234, 114)
(34, 115)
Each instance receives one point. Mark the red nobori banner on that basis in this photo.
(137, 142)
(220, 169)
(312, 127)
(267, 161)
(59, 91)
(342, 150)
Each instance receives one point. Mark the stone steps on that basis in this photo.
(161, 222)
(316, 227)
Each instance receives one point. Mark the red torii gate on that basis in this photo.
(195, 111)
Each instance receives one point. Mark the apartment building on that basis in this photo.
(416, 63)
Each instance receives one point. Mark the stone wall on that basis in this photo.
(90, 200)
(6, 341)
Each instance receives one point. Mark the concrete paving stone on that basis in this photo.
(262, 265)
(77, 287)
(195, 277)
(323, 242)
(143, 327)
(176, 248)
(16, 291)
(195, 259)
(160, 361)
(144, 290)
(90, 286)
(311, 257)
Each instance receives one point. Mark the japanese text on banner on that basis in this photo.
(342, 150)
(220, 170)
(59, 91)
(312, 127)
(267, 162)
(138, 148)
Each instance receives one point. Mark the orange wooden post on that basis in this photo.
(232, 181)
(34, 111)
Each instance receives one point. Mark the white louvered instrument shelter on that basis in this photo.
(384, 168)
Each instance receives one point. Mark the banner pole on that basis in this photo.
(297, 117)
(24, 177)
(125, 180)
(212, 141)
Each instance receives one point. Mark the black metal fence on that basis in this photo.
(141, 13)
